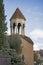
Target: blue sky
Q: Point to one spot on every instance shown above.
(33, 12)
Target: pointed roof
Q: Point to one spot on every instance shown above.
(17, 14)
(27, 39)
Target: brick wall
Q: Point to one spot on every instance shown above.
(4, 60)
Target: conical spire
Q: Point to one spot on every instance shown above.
(17, 14)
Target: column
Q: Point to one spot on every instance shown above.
(22, 30)
(16, 29)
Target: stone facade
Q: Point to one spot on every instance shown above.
(27, 51)
(17, 21)
(39, 54)
(4, 60)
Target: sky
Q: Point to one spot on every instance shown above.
(33, 12)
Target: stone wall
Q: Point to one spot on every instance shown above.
(27, 51)
(4, 60)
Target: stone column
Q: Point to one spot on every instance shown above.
(16, 29)
(22, 30)
(12, 29)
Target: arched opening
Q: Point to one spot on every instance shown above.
(19, 28)
(14, 25)
(23, 26)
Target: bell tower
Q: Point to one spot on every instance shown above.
(17, 23)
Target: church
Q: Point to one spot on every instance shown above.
(17, 26)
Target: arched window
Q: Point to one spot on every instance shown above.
(14, 25)
(23, 26)
(19, 25)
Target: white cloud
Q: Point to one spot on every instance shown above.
(35, 47)
(38, 46)
(35, 34)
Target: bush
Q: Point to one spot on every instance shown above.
(15, 43)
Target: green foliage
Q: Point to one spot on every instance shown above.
(38, 61)
(35, 57)
(18, 61)
(3, 27)
(15, 43)
(14, 48)
(11, 51)
(6, 44)
(15, 59)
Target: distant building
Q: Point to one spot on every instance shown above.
(17, 26)
(40, 55)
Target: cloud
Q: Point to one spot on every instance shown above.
(38, 46)
(35, 34)
(35, 47)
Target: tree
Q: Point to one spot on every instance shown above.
(15, 59)
(3, 27)
(38, 61)
(35, 57)
(15, 43)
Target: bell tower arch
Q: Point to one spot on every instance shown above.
(17, 23)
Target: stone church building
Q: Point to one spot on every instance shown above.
(17, 26)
